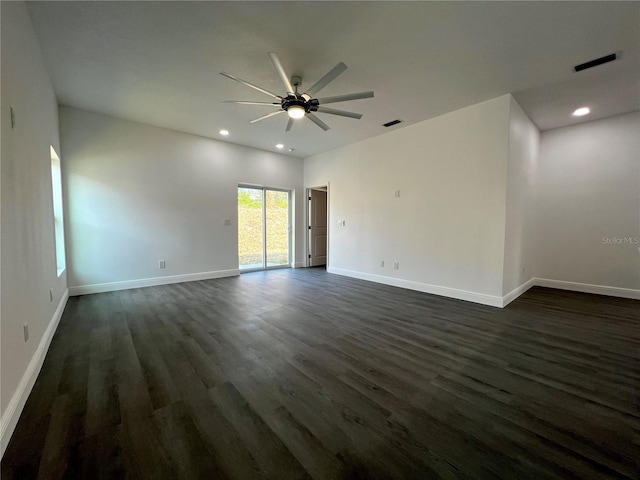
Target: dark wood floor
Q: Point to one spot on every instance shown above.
(302, 374)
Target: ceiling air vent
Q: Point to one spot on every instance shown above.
(392, 123)
(596, 62)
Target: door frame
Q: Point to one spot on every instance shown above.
(307, 245)
(290, 214)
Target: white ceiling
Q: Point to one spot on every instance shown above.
(159, 62)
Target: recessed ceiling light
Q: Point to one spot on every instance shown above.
(279, 145)
(224, 132)
(581, 111)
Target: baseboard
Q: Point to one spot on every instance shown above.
(19, 399)
(588, 288)
(516, 292)
(490, 300)
(475, 297)
(299, 265)
(149, 282)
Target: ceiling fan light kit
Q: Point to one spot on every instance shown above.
(299, 105)
(296, 111)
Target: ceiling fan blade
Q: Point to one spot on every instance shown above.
(283, 75)
(251, 85)
(344, 98)
(243, 102)
(342, 113)
(327, 79)
(266, 116)
(289, 125)
(317, 121)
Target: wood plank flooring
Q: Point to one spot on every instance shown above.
(294, 374)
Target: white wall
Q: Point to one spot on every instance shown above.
(27, 256)
(589, 189)
(520, 227)
(447, 228)
(137, 194)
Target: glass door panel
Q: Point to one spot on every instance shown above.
(250, 228)
(277, 227)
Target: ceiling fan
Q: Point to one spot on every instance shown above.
(299, 105)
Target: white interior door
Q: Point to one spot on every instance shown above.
(318, 228)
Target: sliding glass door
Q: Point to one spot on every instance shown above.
(264, 218)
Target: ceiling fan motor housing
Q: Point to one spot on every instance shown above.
(297, 100)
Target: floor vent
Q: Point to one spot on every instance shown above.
(596, 62)
(391, 123)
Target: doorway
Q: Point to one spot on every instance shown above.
(264, 228)
(317, 215)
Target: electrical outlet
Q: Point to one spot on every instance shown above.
(396, 266)
(25, 329)
(163, 264)
(51, 294)
(382, 263)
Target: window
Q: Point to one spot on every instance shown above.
(56, 187)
